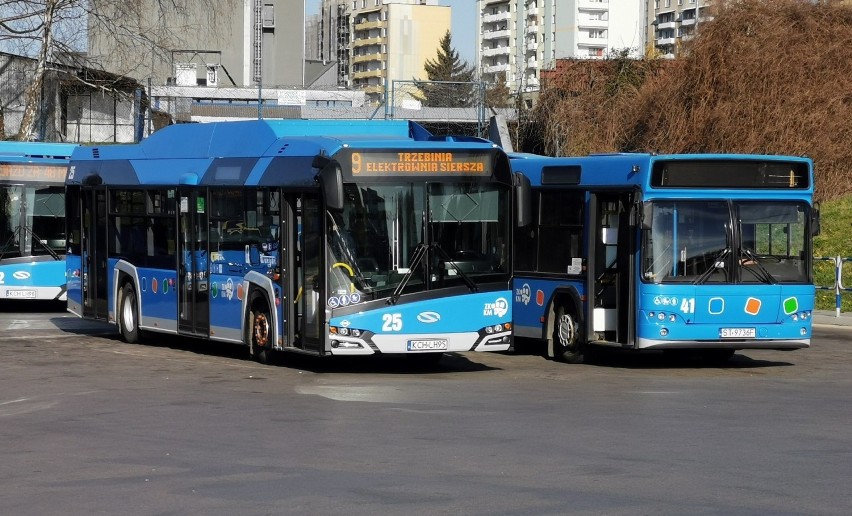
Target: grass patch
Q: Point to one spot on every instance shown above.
(835, 239)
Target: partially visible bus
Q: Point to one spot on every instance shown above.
(313, 236)
(32, 219)
(705, 253)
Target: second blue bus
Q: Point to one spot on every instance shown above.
(707, 253)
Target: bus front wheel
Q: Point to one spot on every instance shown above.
(567, 337)
(128, 315)
(261, 332)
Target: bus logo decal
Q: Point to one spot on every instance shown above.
(21, 275)
(154, 285)
(716, 305)
(428, 317)
(522, 295)
(499, 308)
(228, 289)
(752, 306)
(791, 305)
(333, 302)
(539, 297)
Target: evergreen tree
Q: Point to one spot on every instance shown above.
(448, 67)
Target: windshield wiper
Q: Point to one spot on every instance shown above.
(717, 264)
(467, 281)
(764, 274)
(419, 251)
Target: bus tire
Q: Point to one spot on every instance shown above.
(128, 315)
(260, 331)
(567, 336)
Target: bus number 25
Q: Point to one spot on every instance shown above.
(392, 322)
(687, 306)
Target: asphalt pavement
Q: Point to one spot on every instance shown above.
(831, 318)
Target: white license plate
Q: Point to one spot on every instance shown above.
(427, 345)
(24, 294)
(737, 333)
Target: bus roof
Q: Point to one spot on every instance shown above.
(250, 152)
(622, 169)
(29, 151)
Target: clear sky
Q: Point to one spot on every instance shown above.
(463, 25)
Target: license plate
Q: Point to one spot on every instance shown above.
(427, 345)
(24, 294)
(737, 333)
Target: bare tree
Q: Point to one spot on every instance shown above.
(139, 33)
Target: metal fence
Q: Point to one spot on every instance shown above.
(834, 265)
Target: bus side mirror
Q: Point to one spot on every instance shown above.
(331, 183)
(815, 229)
(647, 215)
(523, 200)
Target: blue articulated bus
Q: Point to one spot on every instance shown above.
(709, 253)
(315, 236)
(32, 228)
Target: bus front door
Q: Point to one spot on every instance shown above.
(308, 284)
(94, 253)
(610, 270)
(193, 280)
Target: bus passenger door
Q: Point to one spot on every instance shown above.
(305, 237)
(611, 248)
(93, 253)
(193, 280)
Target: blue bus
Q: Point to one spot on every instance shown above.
(32, 227)
(314, 236)
(706, 254)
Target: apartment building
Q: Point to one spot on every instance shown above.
(391, 41)
(328, 36)
(241, 44)
(516, 39)
(672, 22)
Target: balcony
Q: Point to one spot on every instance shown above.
(663, 42)
(376, 56)
(368, 74)
(378, 24)
(593, 24)
(494, 18)
(532, 28)
(499, 51)
(490, 2)
(367, 42)
(667, 25)
(592, 5)
(496, 68)
(495, 34)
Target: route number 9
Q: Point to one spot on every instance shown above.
(356, 162)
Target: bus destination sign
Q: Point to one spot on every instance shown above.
(441, 163)
(29, 172)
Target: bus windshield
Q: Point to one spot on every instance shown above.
(696, 242)
(33, 220)
(379, 240)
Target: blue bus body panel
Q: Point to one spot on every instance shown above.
(456, 316)
(532, 298)
(701, 312)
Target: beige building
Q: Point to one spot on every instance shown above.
(672, 22)
(233, 43)
(391, 41)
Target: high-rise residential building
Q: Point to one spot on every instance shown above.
(516, 39)
(328, 36)
(391, 41)
(241, 43)
(672, 22)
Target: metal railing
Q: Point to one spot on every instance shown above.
(837, 287)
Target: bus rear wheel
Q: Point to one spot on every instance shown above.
(261, 333)
(128, 315)
(567, 337)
